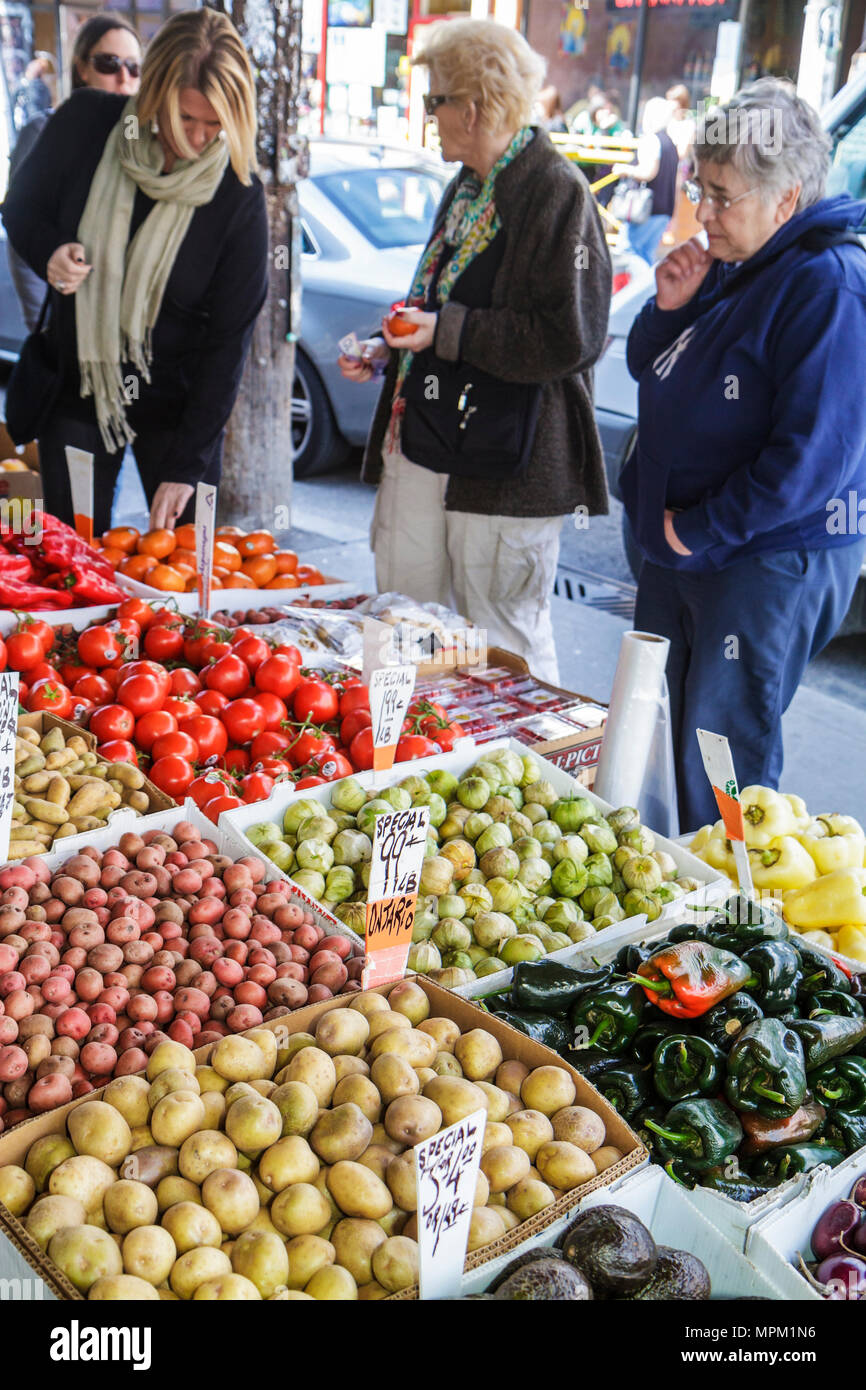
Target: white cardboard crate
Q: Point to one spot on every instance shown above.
(650, 1194)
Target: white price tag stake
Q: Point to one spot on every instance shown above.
(391, 690)
(8, 730)
(205, 524)
(719, 767)
(399, 840)
(80, 465)
(378, 639)
(446, 1173)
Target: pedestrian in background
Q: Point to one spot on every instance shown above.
(107, 55)
(484, 436)
(751, 434)
(656, 166)
(145, 216)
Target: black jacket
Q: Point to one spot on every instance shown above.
(213, 296)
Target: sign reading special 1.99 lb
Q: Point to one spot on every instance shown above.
(399, 841)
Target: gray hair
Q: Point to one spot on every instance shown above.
(771, 136)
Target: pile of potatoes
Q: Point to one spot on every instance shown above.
(283, 1169)
(62, 788)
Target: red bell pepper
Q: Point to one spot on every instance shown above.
(685, 980)
(17, 593)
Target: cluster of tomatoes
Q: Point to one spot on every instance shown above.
(166, 560)
(218, 715)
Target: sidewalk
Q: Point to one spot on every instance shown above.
(825, 737)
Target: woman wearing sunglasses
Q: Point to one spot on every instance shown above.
(484, 435)
(750, 465)
(107, 55)
(146, 218)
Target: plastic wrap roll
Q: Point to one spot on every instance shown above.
(632, 716)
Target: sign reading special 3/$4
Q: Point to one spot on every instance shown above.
(399, 841)
(446, 1175)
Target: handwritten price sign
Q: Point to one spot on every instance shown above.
(391, 690)
(446, 1173)
(205, 522)
(399, 838)
(8, 730)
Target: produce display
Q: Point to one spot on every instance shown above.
(283, 1168)
(45, 565)
(160, 937)
(166, 560)
(835, 1263)
(62, 788)
(492, 702)
(815, 865)
(736, 1051)
(512, 871)
(607, 1253)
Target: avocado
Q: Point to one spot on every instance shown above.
(541, 1252)
(546, 1281)
(612, 1248)
(677, 1276)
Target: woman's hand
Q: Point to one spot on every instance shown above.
(168, 504)
(680, 275)
(372, 349)
(419, 340)
(67, 269)
(671, 536)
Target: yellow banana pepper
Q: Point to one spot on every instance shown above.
(766, 815)
(833, 849)
(719, 855)
(701, 837)
(840, 825)
(836, 900)
(798, 806)
(819, 938)
(851, 941)
(783, 864)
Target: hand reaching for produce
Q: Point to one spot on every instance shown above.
(67, 268)
(168, 505)
(680, 275)
(419, 340)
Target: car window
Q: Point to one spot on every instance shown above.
(392, 207)
(848, 169)
(308, 246)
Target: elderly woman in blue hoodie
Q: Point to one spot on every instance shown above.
(750, 361)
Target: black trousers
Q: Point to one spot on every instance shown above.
(150, 448)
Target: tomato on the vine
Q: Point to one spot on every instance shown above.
(72, 671)
(214, 808)
(305, 782)
(279, 675)
(44, 671)
(112, 722)
(307, 745)
(243, 720)
(272, 741)
(272, 707)
(141, 694)
(118, 750)
(97, 646)
(23, 651)
(179, 707)
(211, 702)
(185, 681)
(153, 726)
(355, 697)
(209, 734)
(163, 643)
(252, 650)
(315, 700)
(415, 746)
(286, 649)
(208, 785)
(95, 688)
(274, 767)
(332, 765)
(139, 610)
(38, 628)
(175, 744)
(256, 786)
(353, 724)
(361, 749)
(235, 760)
(229, 675)
(447, 737)
(173, 775)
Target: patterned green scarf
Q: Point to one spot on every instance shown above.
(470, 225)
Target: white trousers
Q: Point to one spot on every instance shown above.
(497, 571)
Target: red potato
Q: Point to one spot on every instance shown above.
(186, 972)
(169, 911)
(8, 1031)
(262, 955)
(130, 1061)
(245, 899)
(36, 995)
(12, 980)
(220, 1008)
(290, 993)
(249, 993)
(48, 1092)
(256, 867)
(150, 857)
(101, 1013)
(114, 977)
(208, 910)
(228, 972)
(120, 930)
(324, 957)
(95, 897)
(192, 1021)
(341, 946)
(105, 958)
(128, 845)
(15, 897)
(68, 889)
(192, 1000)
(158, 977)
(332, 976)
(164, 957)
(242, 1017)
(74, 958)
(355, 968)
(103, 1033)
(88, 984)
(115, 998)
(8, 958)
(299, 955)
(264, 931)
(181, 1032)
(111, 877)
(289, 916)
(153, 940)
(292, 971)
(44, 950)
(206, 950)
(74, 1023)
(212, 1034)
(317, 993)
(306, 936)
(164, 1005)
(213, 888)
(82, 1088)
(19, 1004)
(83, 868)
(33, 931)
(132, 974)
(176, 859)
(13, 1063)
(88, 936)
(262, 975)
(17, 876)
(206, 982)
(11, 919)
(236, 924)
(203, 867)
(270, 902)
(98, 1058)
(237, 950)
(171, 931)
(55, 1066)
(138, 884)
(137, 953)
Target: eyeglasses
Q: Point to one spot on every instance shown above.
(108, 64)
(432, 103)
(695, 194)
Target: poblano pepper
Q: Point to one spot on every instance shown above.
(767, 1070)
(685, 1067)
(841, 1084)
(611, 1015)
(686, 931)
(788, 1159)
(686, 980)
(551, 1032)
(700, 1133)
(628, 958)
(831, 1001)
(845, 1130)
(776, 964)
(626, 1086)
(742, 923)
(589, 1061)
(638, 1124)
(820, 971)
(654, 1031)
(763, 1134)
(550, 987)
(724, 1023)
(826, 1038)
(740, 1188)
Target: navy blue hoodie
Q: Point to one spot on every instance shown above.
(752, 403)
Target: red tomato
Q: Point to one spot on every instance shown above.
(2, 655)
(307, 745)
(361, 749)
(38, 628)
(95, 688)
(141, 694)
(315, 700)
(169, 617)
(235, 760)
(114, 675)
(273, 708)
(244, 719)
(279, 675)
(152, 726)
(111, 722)
(118, 750)
(252, 650)
(286, 649)
(197, 644)
(173, 775)
(208, 785)
(139, 610)
(175, 744)
(44, 671)
(353, 724)
(149, 668)
(209, 734)
(356, 697)
(163, 643)
(81, 707)
(428, 709)
(23, 651)
(185, 681)
(333, 765)
(415, 746)
(257, 786)
(309, 782)
(211, 702)
(270, 742)
(214, 808)
(72, 672)
(125, 628)
(447, 737)
(180, 708)
(97, 646)
(52, 696)
(229, 676)
(274, 767)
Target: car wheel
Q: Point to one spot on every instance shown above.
(317, 444)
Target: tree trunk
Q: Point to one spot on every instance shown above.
(256, 485)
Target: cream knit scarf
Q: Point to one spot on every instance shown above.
(117, 305)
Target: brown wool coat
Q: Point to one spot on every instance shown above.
(547, 324)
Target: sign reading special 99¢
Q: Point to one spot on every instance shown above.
(399, 842)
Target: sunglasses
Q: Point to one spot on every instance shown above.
(432, 103)
(108, 64)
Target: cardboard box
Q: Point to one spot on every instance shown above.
(444, 1004)
(24, 485)
(44, 722)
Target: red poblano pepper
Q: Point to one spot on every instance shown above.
(685, 980)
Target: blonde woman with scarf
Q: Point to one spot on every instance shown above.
(146, 218)
(484, 436)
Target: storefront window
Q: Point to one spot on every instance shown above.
(774, 34)
(681, 47)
